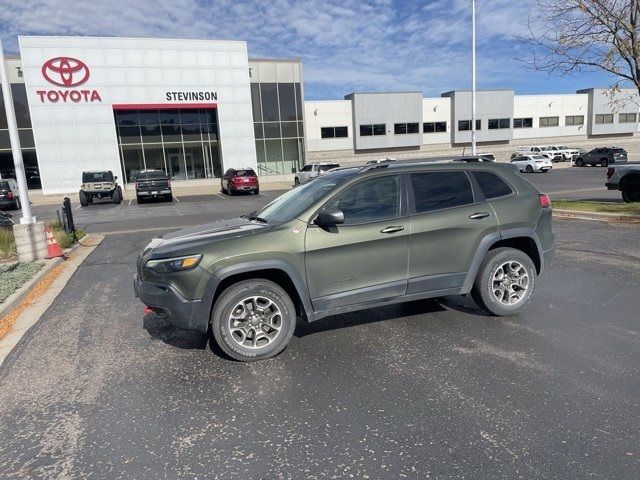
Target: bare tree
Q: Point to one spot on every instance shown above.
(571, 36)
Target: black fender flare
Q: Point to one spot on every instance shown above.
(486, 243)
(255, 265)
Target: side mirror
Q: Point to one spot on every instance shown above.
(329, 217)
(115, 178)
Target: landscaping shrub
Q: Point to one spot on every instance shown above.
(14, 275)
(7, 244)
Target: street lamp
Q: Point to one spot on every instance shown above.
(473, 77)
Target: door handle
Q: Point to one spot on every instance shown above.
(392, 229)
(479, 215)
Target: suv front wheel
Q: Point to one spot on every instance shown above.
(253, 320)
(505, 282)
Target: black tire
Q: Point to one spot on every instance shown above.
(579, 162)
(604, 162)
(83, 199)
(17, 204)
(117, 196)
(230, 298)
(139, 199)
(631, 192)
(528, 169)
(230, 192)
(255, 192)
(482, 291)
(296, 181)
(170, 198)
(222, 188)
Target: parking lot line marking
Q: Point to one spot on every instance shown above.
(130, 200)
(219, 196)
(176, 199)
(78, 207)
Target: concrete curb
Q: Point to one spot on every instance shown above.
(18, 296)
(600, 216)
(32, 314)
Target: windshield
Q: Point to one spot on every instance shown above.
(290, 205)
(92, 177)
(545, 149)
(245, 173)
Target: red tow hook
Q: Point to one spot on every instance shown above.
(147, 310)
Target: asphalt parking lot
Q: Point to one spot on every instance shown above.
(430, 389)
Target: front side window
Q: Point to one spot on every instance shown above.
(372, 200)
(492, 185)
(438, 190)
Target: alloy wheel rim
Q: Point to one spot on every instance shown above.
(255, 322)
(510, 283)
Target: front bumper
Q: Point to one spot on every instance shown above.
(611, 186)
(168, 303)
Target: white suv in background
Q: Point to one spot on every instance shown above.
(532, 163)
(545, 151)
(312, 170)
(568, 154)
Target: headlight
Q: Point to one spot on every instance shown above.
(171, 265)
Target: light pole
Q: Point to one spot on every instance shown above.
(30, 236)
(473, 77)
(15, 142)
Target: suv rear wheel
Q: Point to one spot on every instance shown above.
(579, 162)
(604, 162)
(253, 320)
(83, 199)
(505, 282)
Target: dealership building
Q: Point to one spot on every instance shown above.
(195, 108)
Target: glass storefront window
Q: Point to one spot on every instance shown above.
(191, 132)
(175, 162)
(20, 105)
(26, 138)
(133, 161)
(289, 129)
(150, 133)
(153, 157)
(299, 105)
(272, 130)
(255, 102)
(269, 93)
(257, 131)
(290, 155)
(130, 134)
(194, 159)
(287, 98)
(5, 142)
(273, 152)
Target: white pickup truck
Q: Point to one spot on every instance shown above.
(545, 151)
(568, 154)
(625, 178)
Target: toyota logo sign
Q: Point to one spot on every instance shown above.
(65, 71)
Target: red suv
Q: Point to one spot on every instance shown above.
(239, 180)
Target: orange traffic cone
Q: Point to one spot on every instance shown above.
(53, 247)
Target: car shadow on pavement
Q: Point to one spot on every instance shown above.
(371, 315)
(160, 329)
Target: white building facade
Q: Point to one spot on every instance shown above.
(195, 108)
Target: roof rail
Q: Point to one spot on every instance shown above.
(373, 166)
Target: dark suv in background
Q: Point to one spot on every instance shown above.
(353, 238)
(602, 157)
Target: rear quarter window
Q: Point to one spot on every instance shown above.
(492, 185)
(438, 190)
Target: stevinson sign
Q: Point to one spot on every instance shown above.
(67, 74)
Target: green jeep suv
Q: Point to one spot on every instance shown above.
(354, 238)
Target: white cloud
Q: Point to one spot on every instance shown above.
(345, 45)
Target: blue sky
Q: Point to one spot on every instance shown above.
(345, 45)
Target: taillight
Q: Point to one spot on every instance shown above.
(610, 171)
(10, 195)
(544, 200)
(136, 185)
(169, 183)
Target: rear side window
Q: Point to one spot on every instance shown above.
(438, 190)
(324, 168)
(491, 185)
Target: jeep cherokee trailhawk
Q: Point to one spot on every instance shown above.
(354, 238)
